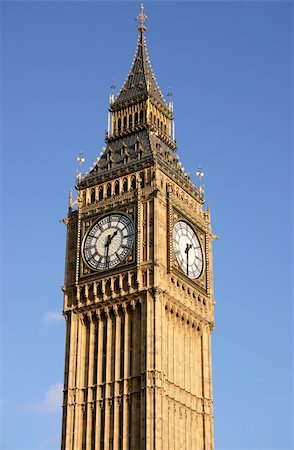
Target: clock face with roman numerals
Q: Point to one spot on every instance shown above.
(187, 249)
(108, 242)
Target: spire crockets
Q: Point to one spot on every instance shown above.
(141, 82)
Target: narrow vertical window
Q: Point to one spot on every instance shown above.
(120, 436)
(142, 180)
(130, 424)
(95, 351)
(122, 348)
(131, 348)
(102, 426)
(92, 195)
(104, 350)
(133, 182)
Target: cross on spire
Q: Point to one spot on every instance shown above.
(141, 19)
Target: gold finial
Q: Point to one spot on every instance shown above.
(141, 19)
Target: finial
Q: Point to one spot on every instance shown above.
(141, 19)
(112, 87)
(81, 160)
(200, 175)
(170, 99)
(112, 90)
(70, 199)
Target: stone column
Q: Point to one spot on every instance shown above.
(90, 382)
(116, 378)
(99, 380)
(150, 395)
(108, 378)
(72, 324)
(78, 425)
(158, 313)
(125, 379)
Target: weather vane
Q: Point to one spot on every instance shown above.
(141, 19)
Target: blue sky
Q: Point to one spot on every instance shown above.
(230, 68)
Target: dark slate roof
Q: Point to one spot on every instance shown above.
(141, 81)
(134, 152)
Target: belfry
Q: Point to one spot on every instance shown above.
(138, 291)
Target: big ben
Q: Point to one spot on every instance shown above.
(138, 292)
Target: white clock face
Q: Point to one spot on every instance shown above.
(187, 249)
(109, 241)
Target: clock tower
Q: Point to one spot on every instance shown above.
(138, 294)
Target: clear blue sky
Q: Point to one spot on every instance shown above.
(229, 65)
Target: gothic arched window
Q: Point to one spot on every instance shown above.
(108, 190)
(142, 179)
(125, 185)
(133, 182)
(92, 195)
(116, 187)
(101, 193)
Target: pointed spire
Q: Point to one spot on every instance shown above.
(141, 81)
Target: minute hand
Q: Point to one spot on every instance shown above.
(111, 237)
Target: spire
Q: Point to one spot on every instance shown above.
(141, 82)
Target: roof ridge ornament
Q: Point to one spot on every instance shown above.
(141, 19)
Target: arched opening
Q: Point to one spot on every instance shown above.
(133, 182)
(125, 185)
(108, 190)
(100, 193)
(136, 118)
(116, 187)
(142, 180)
(92, 195)
(141, 116)
(130, 121)
(119, 124)
(125, 122)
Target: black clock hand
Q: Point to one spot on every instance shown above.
(188, 248)
(107, 244)
(114, 234)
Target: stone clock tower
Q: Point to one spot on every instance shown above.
(138, 294)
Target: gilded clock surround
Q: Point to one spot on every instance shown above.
(138, 346)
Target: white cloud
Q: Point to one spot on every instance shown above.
(51, 317)
(52, 400)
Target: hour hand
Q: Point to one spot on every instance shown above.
(108, 240)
